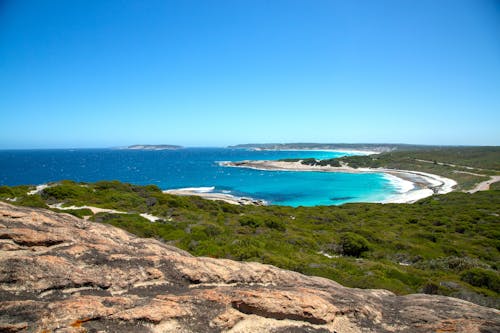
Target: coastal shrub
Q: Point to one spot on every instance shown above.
(304, 241)
(413, 220)
(14, 191)
(105, 217)
(309, 161)
(64, 192)
(395, 249)
(231, 209)
(81, 213)
(290, 159)
(122, 200)
(133, 223)
(213, 230)
(427, 236)
(31, 201)
(247, 248)
(430, 288)
(113, 185)
(250, 221)
(198, 232)
(274, 223)
(408, 278)
(6, 192)
(353, 244)
(145, 191)
(334, 162)
(456, 264)
(482, 278)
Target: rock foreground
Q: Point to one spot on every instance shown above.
(59, 273)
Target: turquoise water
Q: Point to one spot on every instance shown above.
(197, 167)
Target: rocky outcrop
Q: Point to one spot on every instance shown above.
(63, 274)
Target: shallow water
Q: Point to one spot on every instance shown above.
(197, 167)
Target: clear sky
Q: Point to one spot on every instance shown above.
(213, 73)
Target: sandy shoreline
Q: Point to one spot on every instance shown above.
(232, 199)
(422, 184)
(412, 185)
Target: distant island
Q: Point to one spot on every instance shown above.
(154, 147)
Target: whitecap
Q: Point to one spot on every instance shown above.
(206, 189)
(401, 185)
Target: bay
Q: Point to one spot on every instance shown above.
(197, 167)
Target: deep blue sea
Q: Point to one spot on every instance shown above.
(197, 167)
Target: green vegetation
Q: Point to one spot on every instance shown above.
(495, 186)
(353, 244)
(467, 165)
(482, 278)
(447, 244)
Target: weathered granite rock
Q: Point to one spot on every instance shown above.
(63, 274)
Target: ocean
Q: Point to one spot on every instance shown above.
(198, 167)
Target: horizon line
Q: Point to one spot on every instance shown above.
(250, 144)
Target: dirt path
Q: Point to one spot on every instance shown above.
(453, 165)
(484, 186)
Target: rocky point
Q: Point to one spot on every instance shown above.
(59, 273)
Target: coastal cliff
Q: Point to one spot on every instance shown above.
(64, 274)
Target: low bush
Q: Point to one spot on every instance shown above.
(353, 244)
(482, 278)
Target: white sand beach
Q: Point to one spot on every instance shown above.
(412, 185)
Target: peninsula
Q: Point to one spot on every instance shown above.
(370, 147)
(430, 169)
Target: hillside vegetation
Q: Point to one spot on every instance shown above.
(467, 165)
(446, 244)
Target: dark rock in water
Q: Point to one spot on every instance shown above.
(341, 198)
(59, 273)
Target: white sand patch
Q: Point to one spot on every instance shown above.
(229, 198)
(38, 189)
(96, 210)
(410, 197)
(150, 217)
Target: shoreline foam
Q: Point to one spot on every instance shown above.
(423, 184)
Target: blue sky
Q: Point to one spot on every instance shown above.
(215, 73)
